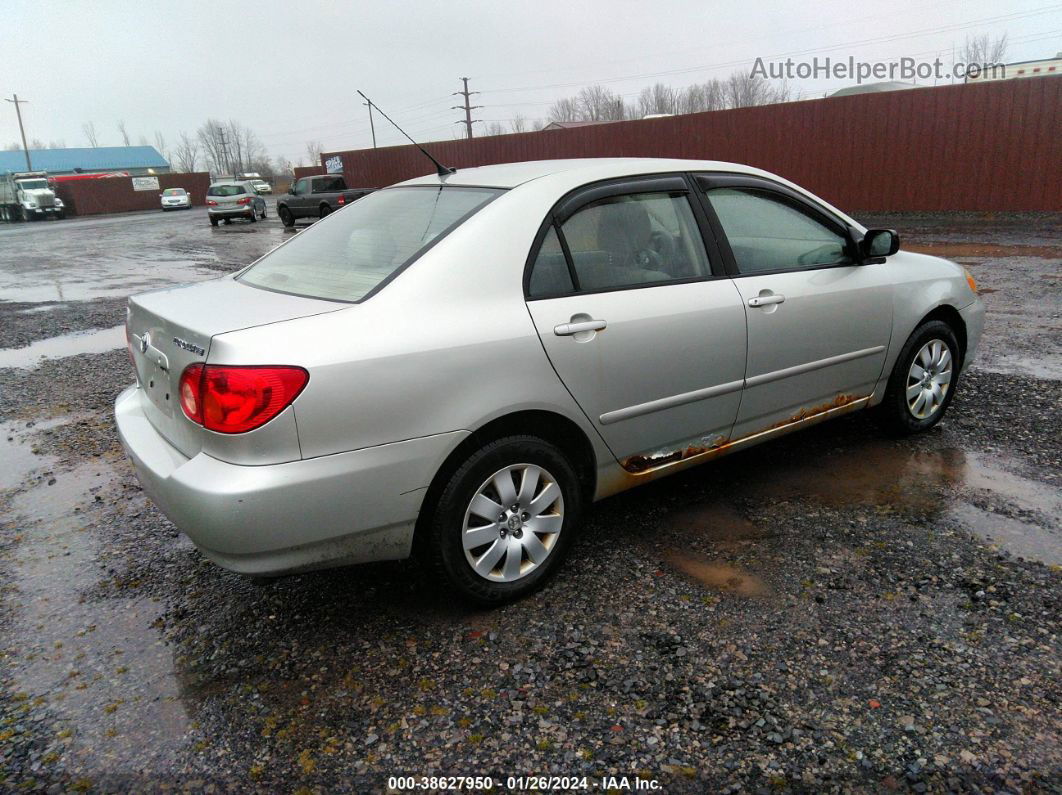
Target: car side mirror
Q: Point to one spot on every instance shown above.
(877, 244)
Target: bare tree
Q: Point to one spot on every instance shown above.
(14, 146)
(745, 90)
(213, 138)
(186, 155)
(564, 110)
(313, 152)
(89, 128)
(494, 128)
(518, 124)
(984, 49)
(36, 143)
(60, 144)
(655, 99)
(123, 133)
(160, 146)
(597, 103)
(701, 97)
(143, 141)
(245, 146)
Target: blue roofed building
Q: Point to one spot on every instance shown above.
(135, 160)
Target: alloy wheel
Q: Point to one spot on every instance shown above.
(928, 379)
(513, 522)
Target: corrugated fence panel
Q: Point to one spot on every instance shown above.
(992, 146)
(116, 194)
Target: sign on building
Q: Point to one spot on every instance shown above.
(334, 165)
(145, 183)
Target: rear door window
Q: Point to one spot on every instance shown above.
(225, 190)
(354, 252)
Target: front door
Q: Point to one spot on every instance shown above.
(650, 343)
(819, 321)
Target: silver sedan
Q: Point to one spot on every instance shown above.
(460, 365)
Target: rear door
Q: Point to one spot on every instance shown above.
(819, 321)
(646, 337)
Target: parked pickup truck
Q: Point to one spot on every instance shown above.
(316, 197)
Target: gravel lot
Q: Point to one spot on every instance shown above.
(833, 611)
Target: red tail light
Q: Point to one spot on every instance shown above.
(341, 199)
(211, 203)
(235, 399)
(244, 200)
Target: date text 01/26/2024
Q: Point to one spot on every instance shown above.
(523, 783)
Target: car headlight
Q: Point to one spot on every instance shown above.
(58, 202)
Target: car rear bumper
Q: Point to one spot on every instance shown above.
(333, 510)
(241, 211)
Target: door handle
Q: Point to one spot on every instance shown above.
(568, 329)
(764, 300)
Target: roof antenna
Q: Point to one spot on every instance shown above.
(443, 171)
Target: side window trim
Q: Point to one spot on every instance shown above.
(708, 181)
(578, 198)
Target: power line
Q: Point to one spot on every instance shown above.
(468, 120)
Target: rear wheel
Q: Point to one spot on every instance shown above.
(286, 217)
(505, 519)
(923, 381)
(213, 221)
(325, 210)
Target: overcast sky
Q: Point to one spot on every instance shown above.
(289, 70)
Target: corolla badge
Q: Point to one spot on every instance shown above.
(191, 347)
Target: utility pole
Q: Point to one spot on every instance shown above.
(18, 112)
(468, 121)
(369, 104)
(225, 151)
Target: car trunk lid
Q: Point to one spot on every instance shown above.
(172, 328)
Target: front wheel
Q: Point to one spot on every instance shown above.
(923, 381)
(505, 519)
(286, 217)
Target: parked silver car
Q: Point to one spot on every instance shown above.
(175, 199)
(228, 200)
(462, 364)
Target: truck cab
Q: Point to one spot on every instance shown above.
(29, 196)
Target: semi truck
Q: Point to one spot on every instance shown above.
(29, 196)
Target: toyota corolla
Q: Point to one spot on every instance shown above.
(460, 364)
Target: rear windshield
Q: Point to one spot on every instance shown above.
(325, 184)
(174, 192)
(345, 257)
(225, 190)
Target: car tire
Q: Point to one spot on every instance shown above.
(923, 380)
(286, 217)
(515, 559)
(213, 221)
(253, 217)
(325, 210)
(264, 208)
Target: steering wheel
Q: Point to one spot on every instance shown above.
(814, 257)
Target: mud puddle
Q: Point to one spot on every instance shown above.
(1013, 512)
(100, 279)
(79, 342)
(92, 665)
(717, 575)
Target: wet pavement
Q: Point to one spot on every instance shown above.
(833, 610)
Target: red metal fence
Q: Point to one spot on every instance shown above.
(992, 146)
(116, 194)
